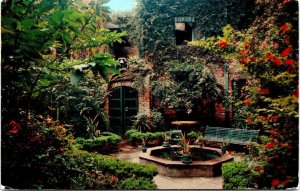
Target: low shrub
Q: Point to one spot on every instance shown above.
(154, 136)
(78, 169)
(105, 143)
(136, 137)
(44, 156)
(136, 184)
(192, 135)
(93, 162)
(237, 175)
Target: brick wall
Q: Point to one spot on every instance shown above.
(234, 74)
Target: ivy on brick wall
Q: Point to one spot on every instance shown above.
(156, 24)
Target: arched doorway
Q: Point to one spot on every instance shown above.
(123, 107)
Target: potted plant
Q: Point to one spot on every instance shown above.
(199, 138)
(186, 154)
(144, 142)
(166, 140)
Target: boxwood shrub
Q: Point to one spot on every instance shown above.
(105, 143)
(237, 175)
(111, 165)
(136, 137)
(136, 184)
(78, 169)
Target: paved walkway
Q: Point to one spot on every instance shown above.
(131, 154)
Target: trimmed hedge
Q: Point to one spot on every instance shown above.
(106, 142)
(136, 137)
(136, 184)
(236, 175)
(119, 168)
(192, 135)
(78, 169)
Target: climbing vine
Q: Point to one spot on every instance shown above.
(156, 24)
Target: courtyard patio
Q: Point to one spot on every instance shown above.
(131, 154)
(149, 94)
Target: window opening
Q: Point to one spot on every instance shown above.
(184, 30)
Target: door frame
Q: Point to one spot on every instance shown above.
(122, 98)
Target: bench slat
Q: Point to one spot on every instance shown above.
(230, 135)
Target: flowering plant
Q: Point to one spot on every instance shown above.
(268, 52)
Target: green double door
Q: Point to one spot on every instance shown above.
(123, 107)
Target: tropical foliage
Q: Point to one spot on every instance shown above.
(185, 84)
(153, 123)
(39, 38)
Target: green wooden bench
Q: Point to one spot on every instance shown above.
(230, 135)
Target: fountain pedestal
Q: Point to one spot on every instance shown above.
(184, 126)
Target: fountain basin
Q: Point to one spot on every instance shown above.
(172, 168)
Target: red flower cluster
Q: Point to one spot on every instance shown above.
(263, 44)
(268, 159)
(245, 60)
(273, 131)
(287, 40)
(243, 52)
(269, 57)
(113, 178)
(260, 168)
(247, 44)
(289, 62)
(269, 145)
(284, 27)
(262, 118)
(222, 43)
(247, 102)
(15, 127)
(286, 1)
(275, 182)
(249, 120)
(277, 62)
(264, 91)
(286, 51)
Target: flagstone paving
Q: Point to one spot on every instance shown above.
(130, 153)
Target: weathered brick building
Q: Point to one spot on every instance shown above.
(164, 27)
